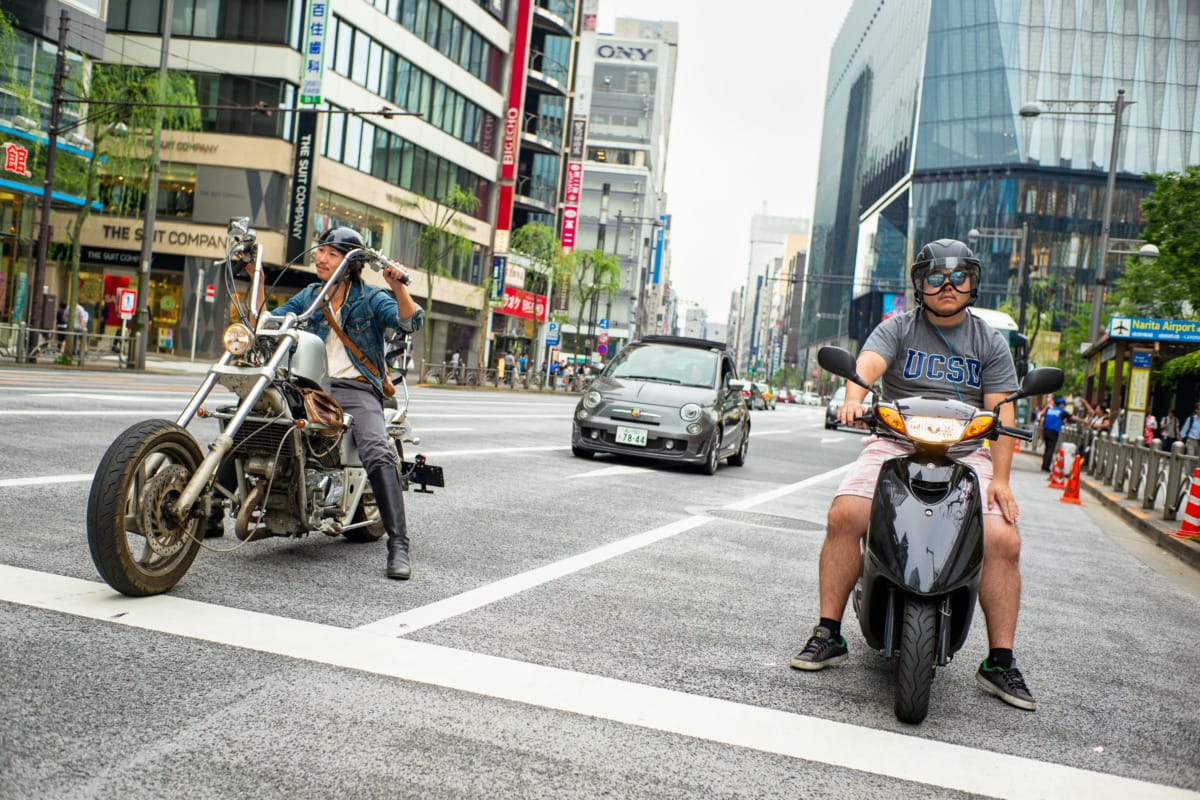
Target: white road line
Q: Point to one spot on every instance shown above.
(619, 469)
(440, 430)
(180, 398)
(492, 450)
(91, 412)
(45, 479)
(768, 433)
(414, 619)
(560, 415)
(865, 750)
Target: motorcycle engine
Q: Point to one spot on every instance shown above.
(325, 489)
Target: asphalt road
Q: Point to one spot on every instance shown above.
(573, 629)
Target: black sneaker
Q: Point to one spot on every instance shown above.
(821, 651)
(1007, 684)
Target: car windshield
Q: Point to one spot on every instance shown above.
(688, 366)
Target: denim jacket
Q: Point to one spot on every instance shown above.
(367, 313)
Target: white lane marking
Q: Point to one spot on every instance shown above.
(561, 415)
(831, 439)
(620, 469)
(178, 399)
(865, 750)
(414, 619)
(433, 613)
(768, 433)
(441, 430)
(492, 450)
(145, 412)
(76, 478)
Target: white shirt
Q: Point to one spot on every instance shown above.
(340, 365)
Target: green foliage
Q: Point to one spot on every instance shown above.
(21, 94)
(538, 243)
(441, 240)
(592, 274)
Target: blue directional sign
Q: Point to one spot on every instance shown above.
(551, 334)
(498, 263)
(1141, 360)
(602, 324)
(1154, 330)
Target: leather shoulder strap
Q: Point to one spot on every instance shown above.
(351, 346)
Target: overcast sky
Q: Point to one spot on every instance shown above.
(749, 97)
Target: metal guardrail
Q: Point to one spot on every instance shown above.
(1161, 479)
(462, 375)
(24, 345)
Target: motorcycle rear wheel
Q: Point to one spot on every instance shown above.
(138, 545)
(914, 667)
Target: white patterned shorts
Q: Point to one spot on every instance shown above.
(860, 479)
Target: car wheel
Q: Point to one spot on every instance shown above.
(714, 454)
(739, 458)
(582, 452)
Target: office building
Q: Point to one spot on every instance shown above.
(761, 310)
(923, 139)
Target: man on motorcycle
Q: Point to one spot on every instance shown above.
(364, 313)
(937, 350)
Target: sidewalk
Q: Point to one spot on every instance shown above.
(1147, 521)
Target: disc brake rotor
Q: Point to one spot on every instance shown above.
(165, 535)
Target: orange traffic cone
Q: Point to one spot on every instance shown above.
(1016, 446)
(1190, 527)
(1071, 495)
(1056, 471)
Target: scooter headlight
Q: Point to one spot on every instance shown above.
(935, 430)
(237, 339)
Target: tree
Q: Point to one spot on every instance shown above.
(538, 243)
(441, 240)
(592, 273)
(122, 132)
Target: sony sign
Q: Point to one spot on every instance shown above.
(623, 52)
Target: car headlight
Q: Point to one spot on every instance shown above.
(237, 339)
(591, 400)
(690, 412)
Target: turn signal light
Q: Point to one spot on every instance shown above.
(978, 426)
(890, 417)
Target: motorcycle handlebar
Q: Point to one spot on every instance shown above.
(1016, 433)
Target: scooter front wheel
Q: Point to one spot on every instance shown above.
(138, 544)
(914, 668)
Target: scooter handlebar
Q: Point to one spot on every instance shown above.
(1016, 433)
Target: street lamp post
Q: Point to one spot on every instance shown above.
(1118, 108)
(1021, 236)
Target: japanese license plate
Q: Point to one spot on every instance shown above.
(633, 436)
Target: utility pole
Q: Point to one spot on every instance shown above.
(36, 295)
(143, 313)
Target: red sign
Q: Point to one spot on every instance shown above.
(570, 224)
(574, 185)
(210, 292)
(512, 115)
(602, 337)
(126, 302)
(16, 159)
(523, 304)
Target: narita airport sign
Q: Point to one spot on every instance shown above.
(1154, 330)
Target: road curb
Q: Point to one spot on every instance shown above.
(1184, 549)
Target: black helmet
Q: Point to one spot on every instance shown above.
(342, 239)
(944, 254)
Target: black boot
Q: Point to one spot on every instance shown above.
(389, 499)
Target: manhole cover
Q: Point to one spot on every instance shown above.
(768, 520)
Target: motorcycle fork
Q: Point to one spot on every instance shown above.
(943, 627)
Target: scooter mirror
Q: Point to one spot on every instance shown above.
(837, 361)
(1042, 380)
(238, 226)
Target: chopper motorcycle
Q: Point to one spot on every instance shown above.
(923, 553)
(284, 461)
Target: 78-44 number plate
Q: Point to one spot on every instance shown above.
(633, 436)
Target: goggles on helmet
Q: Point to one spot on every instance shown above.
(935, 280)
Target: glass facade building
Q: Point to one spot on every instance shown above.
(925, 140)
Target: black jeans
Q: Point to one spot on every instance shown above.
(1051, 439)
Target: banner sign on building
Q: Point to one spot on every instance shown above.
(512, 115)
(574, 184)
(514, 275)
(526, 305)
(570, 225)
(314, 45)
(304, 176)
(578, 138)
(498, 269)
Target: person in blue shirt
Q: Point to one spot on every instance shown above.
(1052, 422)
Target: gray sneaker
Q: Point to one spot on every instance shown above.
(821, 651)
(1007, 684)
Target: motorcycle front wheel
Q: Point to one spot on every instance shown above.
(914, 668)
(138, 544)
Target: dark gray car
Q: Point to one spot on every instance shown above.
(668, 398)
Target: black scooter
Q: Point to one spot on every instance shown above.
(923, 552)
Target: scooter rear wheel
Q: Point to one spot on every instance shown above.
(914, 668)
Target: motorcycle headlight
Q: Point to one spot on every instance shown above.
(690, 412)
(237, 339)
(591, 400)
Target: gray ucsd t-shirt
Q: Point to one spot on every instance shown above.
(972, 357)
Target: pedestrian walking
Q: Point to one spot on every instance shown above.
(1052, 422)
(1168, 430)
(1149, 429)
(1190, 432)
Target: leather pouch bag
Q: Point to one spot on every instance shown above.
(321, 408)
